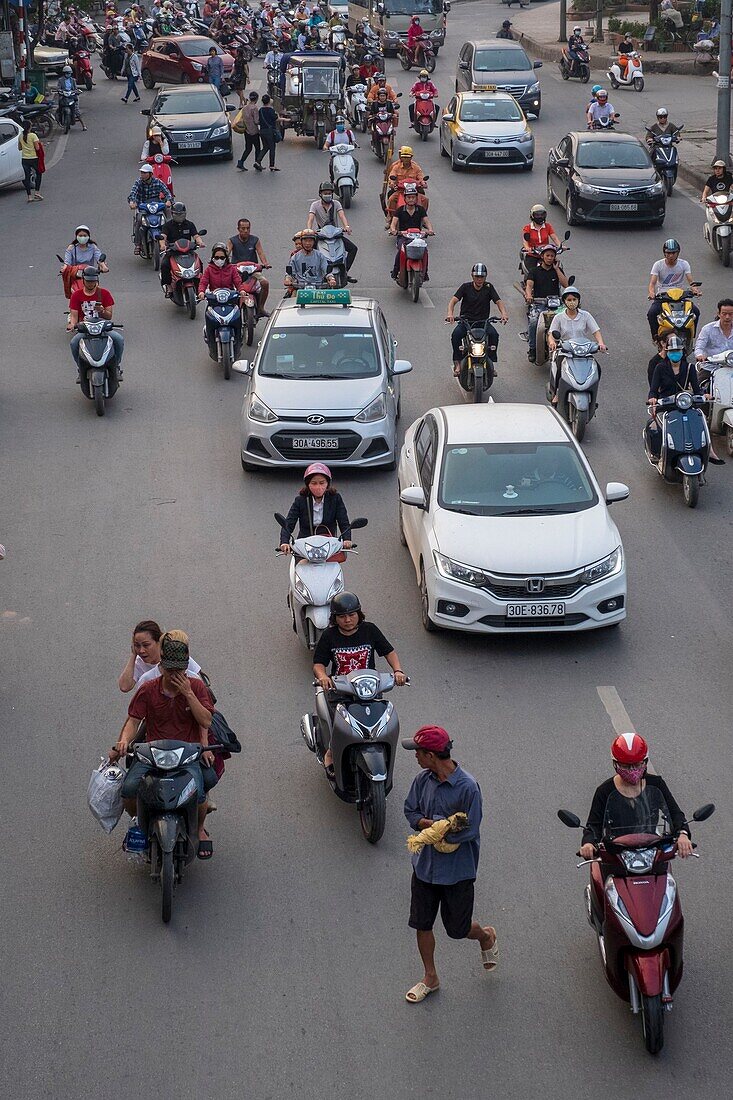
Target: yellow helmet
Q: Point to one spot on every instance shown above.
(405, 151)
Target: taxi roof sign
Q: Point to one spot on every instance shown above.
(485, 88)
(311, 296)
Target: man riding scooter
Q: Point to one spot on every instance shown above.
(422, 86)
(92, 302)
(601, 113)
(67, 86)
(543, 281)
(341, 135)
(308, 267)
(328, 211)
(476, 298)
(177, 228)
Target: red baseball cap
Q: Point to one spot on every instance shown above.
(429, 738)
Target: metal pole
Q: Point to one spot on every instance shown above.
(722, 142)
(22, 47)
(563, 21)
(598, 35)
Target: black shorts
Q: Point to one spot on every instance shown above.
(454, 901)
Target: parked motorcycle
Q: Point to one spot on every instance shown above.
(677, 317)
(720, 414)
(665, 156)
(577, 372)
(97, 362)
(577, 65)
(632, 78)
(251, 288)
(633, 905)
(413, 264)
(424, 115)
(186, 268)
(362, 730)
(356, 107)
(151, 214)
(81, 63)
(331, 244)
(685, 443)
(421, 54)
(719, 225)
(343, 171)
(315, 578)
(41, 115)
(382, 135)
(224, 311)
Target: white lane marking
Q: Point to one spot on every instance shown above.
(425, 301)
(618, 713)
(58, 151)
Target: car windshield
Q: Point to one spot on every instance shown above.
(514, 479)
(489, 110)
(414, 7)
(611, 154)
(323, 81)
(320, 352)
(187, 103)
(198, 47)
(500, 61)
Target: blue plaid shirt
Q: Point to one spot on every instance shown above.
(428, 797)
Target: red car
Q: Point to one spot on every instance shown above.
(180, 59)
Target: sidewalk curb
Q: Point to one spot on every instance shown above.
(548, 52)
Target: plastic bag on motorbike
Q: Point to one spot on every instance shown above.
(415, 249)
(238, 122)
(104, 794)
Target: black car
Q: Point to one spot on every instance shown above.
(195, 120)
(605, 177)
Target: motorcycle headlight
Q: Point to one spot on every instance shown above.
(220, 131)
(188, 272)
(302, 589)
(366, 687)
(588, 189)
(259, 411)
(392, 34)
(607, 567)
(167, 759)
(375, 410)
(638, 861)
(336, 587)
(456, 571)
(477, 350)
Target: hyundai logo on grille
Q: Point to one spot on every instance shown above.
(535, 584)
(316, 420)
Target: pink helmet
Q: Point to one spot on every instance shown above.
(317, 468)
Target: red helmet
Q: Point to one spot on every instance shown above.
(629, 748)
(317, 468)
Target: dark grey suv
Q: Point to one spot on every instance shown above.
(498, 63)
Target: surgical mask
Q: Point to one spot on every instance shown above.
(219, 261)
(326, 199)
(82, 238)
(674, 356)
(340, 128)
(631, 773)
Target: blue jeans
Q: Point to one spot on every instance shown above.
(131, 87)
(117, 340)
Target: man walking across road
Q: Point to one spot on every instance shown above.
(444, 879)
(131, 69)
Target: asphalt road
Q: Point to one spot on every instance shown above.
(284, 970)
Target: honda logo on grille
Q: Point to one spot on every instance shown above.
(316, 420)
(535, 584)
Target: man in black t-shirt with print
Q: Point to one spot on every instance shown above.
(409, 216)
(720, 183)
(476, 298)
(543, 281)
(349, 644)
(177, 228)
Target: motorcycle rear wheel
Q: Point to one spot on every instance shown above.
(156, 258)
(729, 442)
(43, 125)
(67, 121)
(166, 886)
(373, 810)
(614, 81)
(652, 1023)
(88, 83)
(424, 133)
(691, 493)
(564, 72)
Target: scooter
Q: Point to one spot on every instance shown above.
(315, 578)
(161, 163)
(382, 136)
(685, 443)
(251, 289)
(224, 310)
(82, 64)
(356, 106)
(343, 171)
(664, 155)
(634, 76)
(113, 61)
(362, 729)
(66, 112)
(423, 121)
(528, 261)
(421, 54)
(151, 214)
(676, 316)
(544, 309)
(720, 416)
(477, 367)
(97, 362)
(186, 268)
(331, 244)
(413, 265)
(577, 66)
(633, 906)
(719, 225)
(167, 811)
(578, 375)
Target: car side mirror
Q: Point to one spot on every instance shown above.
(531, 117)
(230, 106)
(704, 812)
(562, 162)
(243, 366)
(401, 366)
(463, 65)
(145, 111)
(536, 64)
(616, 490)
(414, 496)
(447, 116)
(571, 820)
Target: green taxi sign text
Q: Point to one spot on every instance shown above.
(310, 296)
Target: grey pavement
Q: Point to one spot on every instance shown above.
(284, 969)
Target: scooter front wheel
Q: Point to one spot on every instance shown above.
(690, 490)
(156, 257)
(99, 400)
(584, 74)
(638, 83)
(88, 83)
(415, 284)
(166, 886)
(579, 423)
(669, 186)
(725, 251)
(226, 360)
(346, 196)
(191, 302)
(652, 1022)
(373, 808)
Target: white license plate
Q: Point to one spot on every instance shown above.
(189, 144)
(496, 153)
(624, 206)
(315, 443)
(544, 610)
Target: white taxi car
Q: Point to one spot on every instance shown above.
(507, 526)
(486, 129)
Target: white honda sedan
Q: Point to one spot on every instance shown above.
(508, 528)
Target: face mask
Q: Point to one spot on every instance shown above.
(632, 773)
(326, 199)
(83, 239)
(674, 356)
(219, 262)
(340, 129)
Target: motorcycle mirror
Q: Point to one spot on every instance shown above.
(571, 280)
(426, 178)
(704, 812)
(202, 232)
(526, 236)
(280, 519)
(59, 258)
(696, 284)
(571, 820)
(356, 523)
(102, 257)
(567, 235)
(145, 111)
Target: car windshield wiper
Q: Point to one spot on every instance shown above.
(547, 510)
(462, 511)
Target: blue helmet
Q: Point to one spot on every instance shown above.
(596, 88)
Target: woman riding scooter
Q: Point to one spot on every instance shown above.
(81, 253)
(316, 509)
(672, 373)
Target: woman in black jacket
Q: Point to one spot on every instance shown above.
(316, 509)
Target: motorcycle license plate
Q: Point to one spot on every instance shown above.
(623, 207)
(189, 144)
(314, 443)
(543, 610)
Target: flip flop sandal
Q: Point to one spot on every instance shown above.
(419, 992)
(490, 958)
(205, 849)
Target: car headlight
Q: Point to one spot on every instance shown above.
(456, 571)
(526, 136)
(220, 131)
(198, 68)
(375, 410)
(258, 410)
(606, 567)
(588, 189)
(656, 189)
(638, 861)
(533, 88)
(460, 136)
(302, 589)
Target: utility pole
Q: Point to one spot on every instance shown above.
(564, 21)
(722, 142)
(598, 34)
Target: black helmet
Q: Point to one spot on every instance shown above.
(346, 603)
(325, 186)
(178, 211)
(671, 245)
(479, 269)
(90, 274)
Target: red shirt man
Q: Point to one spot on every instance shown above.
(85, 303)
(169, 717)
